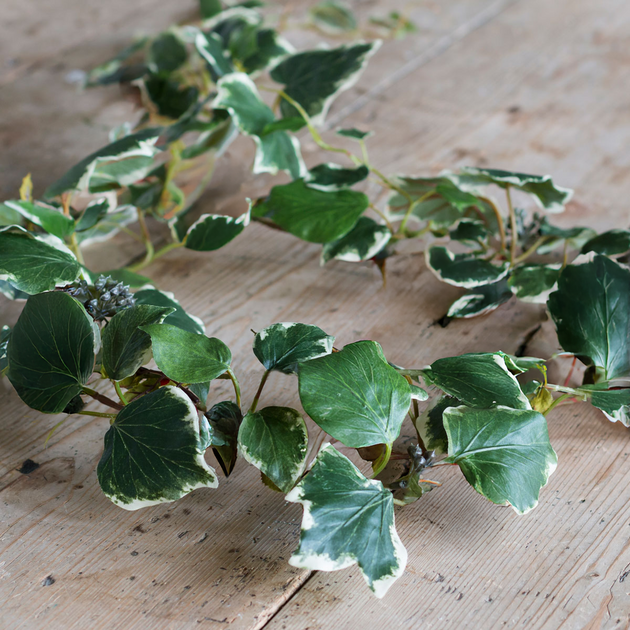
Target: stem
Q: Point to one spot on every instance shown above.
(146, 237)
(557, 401)
(381, 462)
(98, 414)
(237, 387)
(160, 252)
(569, 390)
(514, 239)
(390, 227)
(411, 208)
(102, 398)
(526, 254)
(263, 380)
(399, 502)
(497, 214)
(123, 400)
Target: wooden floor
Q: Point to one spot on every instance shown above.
(533, 85)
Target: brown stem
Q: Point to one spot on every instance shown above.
(102, 398)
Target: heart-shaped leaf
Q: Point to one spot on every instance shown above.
(608, 243)
(504, 453)
(187, 357)
(481, 300)
(479, 380)
(213, 231)
(591, 310)
(51, 351)
(33, 266)
(464, 270)
(125, 346)
(275, 441)
(534, 283)
(314, 78)
(51, 219)
(153, 452)
(313, 215)
(366, 239)
(355, 395)
(283, 346)
(347, 519)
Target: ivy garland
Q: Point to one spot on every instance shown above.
(79, 328)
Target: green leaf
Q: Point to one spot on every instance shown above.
(269, 47)
(310, 214)
(167, 53)
(608, 243)
(481, 300)
(8, 216)
(171, 99)
(137, 144)
(546, 194)
(125, 346)
(47, 217)
(366, 239)
(295, 123)
(113, 71)
(108, 226)
(153, 453)
(179, 317)
(211, 49)
(95, 212)
(187, 357)
(283, 346)
(575, 237)
(275, 441)
(355, 134)
(534, 283)
(224, 420)
(5, 335)
(115, 175)
(464, 270)
(274, 151)
(469, 230)
(33, 266)
(51, 351)
(615, 404)
(479, 380)
(520, 365)
(591, 310)
(504, 453)
(330, 176)
(222, 423)
(332, 17)
(209, 8)
(347, 519)
(355, 395)
(213, 231)
(314, 78)
(430, 424)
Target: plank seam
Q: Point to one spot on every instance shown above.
(480, 20)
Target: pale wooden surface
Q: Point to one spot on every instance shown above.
(535, 85)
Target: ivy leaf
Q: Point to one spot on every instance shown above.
(591, 310)
(347, 519)
(504, 453)
(275, 441)
(115, 175)
(310, 214)
(95, 211)
(5, 335)
(153, 453)
(269, 47)
(469, 230)
(355, 395)
(47, 217)
(546, 194)
(179, 317)
(355, 134)
(534, 283)
(32, 265)
(224, 420)
(125, 346)
(608, 243)
(283, 346)
(332, 17)
(575, 237)
(294, 123)
(51, 351)
(108, 226)
(464, 270)
(430, 424)
(187, 357)
(171, 99)
(520, 365)
(615, 404)
(314, 78)
(479, 380)
(330, 176)
(167, 53)
(137, 144)
(366, 239)
(211, 49)
(213, 231)
(113, 71)
(274, 151)
(481, 300)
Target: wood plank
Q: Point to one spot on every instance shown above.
(86, 544)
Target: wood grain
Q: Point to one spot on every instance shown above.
(536, 86)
